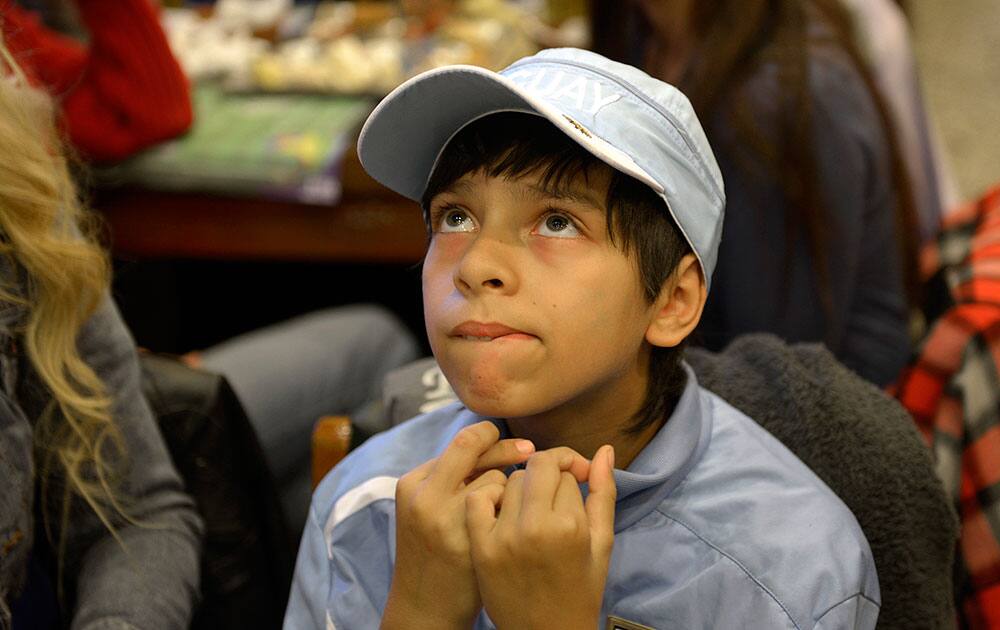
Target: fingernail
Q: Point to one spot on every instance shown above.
(524, 446)
(611, 457)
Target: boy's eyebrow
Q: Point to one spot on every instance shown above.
(582, 197)
(458, 186)
(579, 196)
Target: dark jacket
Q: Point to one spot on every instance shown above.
(866, 326)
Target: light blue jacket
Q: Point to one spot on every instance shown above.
(717, 525)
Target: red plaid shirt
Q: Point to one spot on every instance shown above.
(953, 391)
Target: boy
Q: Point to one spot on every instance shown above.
(575, 210)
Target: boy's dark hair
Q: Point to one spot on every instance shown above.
(512, 144)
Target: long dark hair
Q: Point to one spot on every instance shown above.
(731, 39)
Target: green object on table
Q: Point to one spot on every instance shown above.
(286, 146)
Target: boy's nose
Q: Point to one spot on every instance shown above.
(485, 267)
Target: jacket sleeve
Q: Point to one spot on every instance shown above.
(856, 613)
(122, 93)
(150, 579)
(346, 557)
(307, 601)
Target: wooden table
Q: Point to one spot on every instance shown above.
(369, 224)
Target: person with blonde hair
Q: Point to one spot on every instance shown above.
(95, 529)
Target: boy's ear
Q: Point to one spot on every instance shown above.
(678, 307)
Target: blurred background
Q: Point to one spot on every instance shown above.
(260, 210)
(952, 41)
(217, 139)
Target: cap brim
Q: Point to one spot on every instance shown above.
(405, 135)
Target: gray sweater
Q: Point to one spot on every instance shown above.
(151, 581)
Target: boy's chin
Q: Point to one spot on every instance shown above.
(495, 394)
(503, 406)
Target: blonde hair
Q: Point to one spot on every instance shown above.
(60, 274)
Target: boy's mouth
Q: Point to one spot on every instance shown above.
(479, 331)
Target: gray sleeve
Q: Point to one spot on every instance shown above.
(151, 580)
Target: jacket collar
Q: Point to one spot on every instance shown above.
(664, 462)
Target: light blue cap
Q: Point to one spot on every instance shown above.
(633, 122)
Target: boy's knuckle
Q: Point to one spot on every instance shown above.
(564, 456)
(565, 527)
(488, 556)
(439, 531)
(469, 438)
(543, 458)
(603, 544)
(425, 512)
(508, 541)
(561, 453)
(487, 428)
(463, 440)
(476, 502)
(512, 548)
(494, 477)
(535, 534)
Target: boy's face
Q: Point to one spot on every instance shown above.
(529, 307)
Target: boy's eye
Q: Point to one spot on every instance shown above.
(455, 220)
(558, 225)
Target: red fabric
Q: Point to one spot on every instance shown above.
(953, 392)
(119, 95)
(984, 608)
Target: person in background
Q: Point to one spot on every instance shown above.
(952, 390)
(290, 374)
(95, 529)
(820, 237)
(125, 92)
(118, 94)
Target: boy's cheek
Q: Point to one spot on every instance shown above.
(438, 266)
(446, 248)
(558, 252)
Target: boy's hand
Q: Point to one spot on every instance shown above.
(542, 560)
(433, 585)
